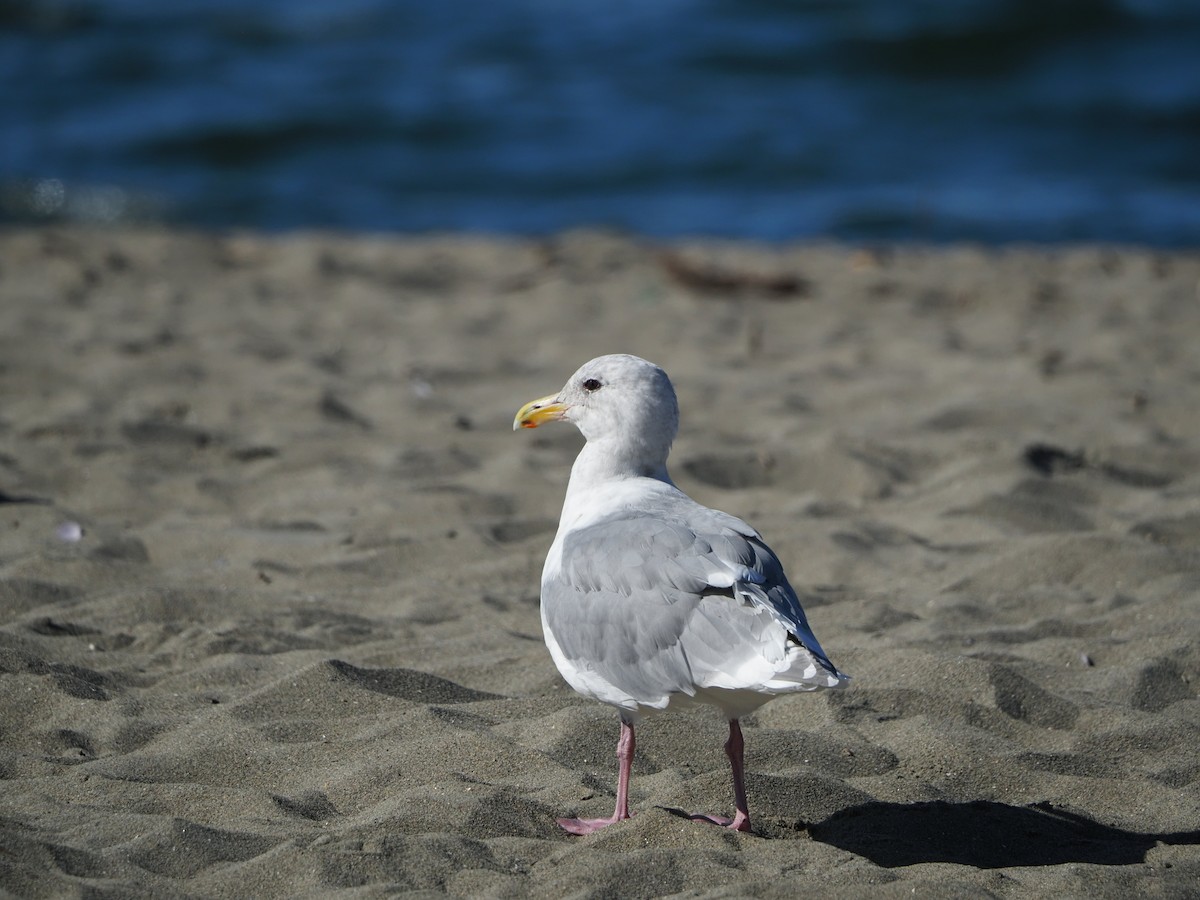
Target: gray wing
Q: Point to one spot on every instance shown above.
(765, 585)
(643, 596)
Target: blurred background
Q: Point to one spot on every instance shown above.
(925, 120)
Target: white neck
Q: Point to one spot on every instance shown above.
(600, 464)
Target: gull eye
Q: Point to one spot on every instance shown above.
(592, 384)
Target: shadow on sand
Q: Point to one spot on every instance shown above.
(984, 834)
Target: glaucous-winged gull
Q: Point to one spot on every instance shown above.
(650, 600)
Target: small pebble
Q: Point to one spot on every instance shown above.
(71, 532)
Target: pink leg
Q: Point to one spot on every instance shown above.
(625, 757)
(734, 749)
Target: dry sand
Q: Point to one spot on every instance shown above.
(296, 651)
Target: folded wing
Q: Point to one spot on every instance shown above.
(674, 598)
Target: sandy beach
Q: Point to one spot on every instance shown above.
(270, 550)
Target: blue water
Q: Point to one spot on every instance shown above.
(1026, 120)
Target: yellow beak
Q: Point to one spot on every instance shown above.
(538, 412)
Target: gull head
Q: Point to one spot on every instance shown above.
(618, 399)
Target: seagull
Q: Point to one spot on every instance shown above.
(651, 601)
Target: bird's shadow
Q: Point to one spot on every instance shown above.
(984, 834)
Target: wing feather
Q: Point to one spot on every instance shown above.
(671, 598)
